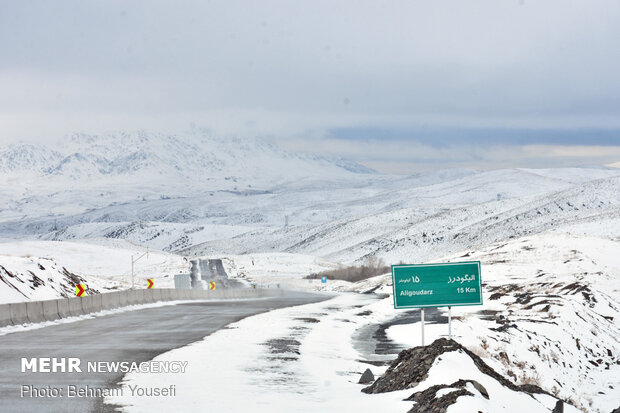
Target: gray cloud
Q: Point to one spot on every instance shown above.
(303, 70)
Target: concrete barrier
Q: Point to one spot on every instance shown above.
(5, 315)
(35, 311)
(166, 294)
(97, 302)
(123, 298)
(19, 313)
(50, 310)
(75, 306)
(116, 299)
(87, 304)
(131, 297)
(63, 308)
(91, 303)
(138, 297)
(149, 296)
(109, 300)
(38, 311)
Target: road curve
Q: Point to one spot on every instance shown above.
(129, 336)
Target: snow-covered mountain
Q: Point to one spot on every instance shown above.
(90, 172)
(547, 240)
(203, 195)
(28, 158)
(195, 156)
(427, 222)
(35, 278)
(195, 194)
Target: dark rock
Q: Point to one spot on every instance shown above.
(367, 377)
(559, 407)
(481, 389)
(426, 402)
(412, 365)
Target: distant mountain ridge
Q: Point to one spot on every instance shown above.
(25, 157)
(172, 155)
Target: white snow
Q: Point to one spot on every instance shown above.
(103, 264)
(318, 373)
(554, 347)
(322, 377)
(548, 240)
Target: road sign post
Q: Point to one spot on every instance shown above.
(133, 261)
(422, 323)
(437, 285)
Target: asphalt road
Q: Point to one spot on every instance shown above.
(129, 336)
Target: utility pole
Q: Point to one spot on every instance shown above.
(134, 261)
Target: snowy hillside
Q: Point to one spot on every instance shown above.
(32, 278)
(547, 240)
(549, 320)
(342, 218)
(440, 219)
(196, 155)
(86, 172)
(198, 194)
(550, 315)
(39, 270)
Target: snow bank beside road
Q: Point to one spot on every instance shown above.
(550, 316)
(299, 358)
(304, 359)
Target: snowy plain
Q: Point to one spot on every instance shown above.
(548, 240)
(321, 360)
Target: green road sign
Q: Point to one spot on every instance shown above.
(437, 285)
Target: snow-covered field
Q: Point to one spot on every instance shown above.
(548, 241)
(297, 358)
(311, 357)
(39, 270)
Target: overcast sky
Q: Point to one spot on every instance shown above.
(397, 85)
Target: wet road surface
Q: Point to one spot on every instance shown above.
(129, 336)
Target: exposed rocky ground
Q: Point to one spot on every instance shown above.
(412, 368)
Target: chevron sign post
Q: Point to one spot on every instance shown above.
(79, 290)
(212, 285)
(150, 283)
